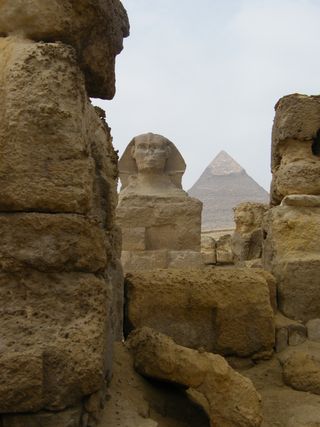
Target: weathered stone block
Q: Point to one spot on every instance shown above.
(313, 327)
(172, 223)
(94, 29)
(49, 242)
(224, 250)
(247, 238)
(62, 318)
(291, 253)
(281, 339)
(208, 249)
(297, 334)
(225, 311)
(45, 164)
(301, 371)
(295, 168)
(56, 153)
(185, 259)
(144, 260)
(21, 382)
(133, 239)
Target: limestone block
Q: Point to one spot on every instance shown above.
(272, 285)
(45, 159)
(208, 249)
(224, 250)
(229, 399)
(56, 152)
(68, 418)
(133, 239)
(144, 260)
(291, 253)
(184, 259)
(172, 223)
(55, 324)
(49, 242)
(221, 310)
(247, 238)
(313, 327)
(288, 332)
(302, 200)
(22, 382)
(295, 167)
(301, 371)
(297, 334)
(246, 247)
(281, 339)
(94, 29)
(253, 263)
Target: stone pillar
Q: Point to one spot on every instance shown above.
(59, 248)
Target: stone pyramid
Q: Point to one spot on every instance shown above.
(223, 185)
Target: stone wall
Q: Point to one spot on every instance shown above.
(59, 253)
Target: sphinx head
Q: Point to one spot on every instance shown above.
(151, 152)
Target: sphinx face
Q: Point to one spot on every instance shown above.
(150, 153)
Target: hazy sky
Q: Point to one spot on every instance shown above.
(207, 74)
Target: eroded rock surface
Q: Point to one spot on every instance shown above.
(95, 29)
(291, 253)
(229, 398)
(222, 310)
(248, 236)
(301, 371)
(61, 280)
(295, 162)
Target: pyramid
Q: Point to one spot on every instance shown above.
(223, 185)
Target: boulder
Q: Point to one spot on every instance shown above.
(221, 310)
(229, 399)
(95, 29)
(301, 371)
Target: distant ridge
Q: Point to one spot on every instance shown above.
(223, 185)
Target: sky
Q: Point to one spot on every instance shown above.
(207, 75)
